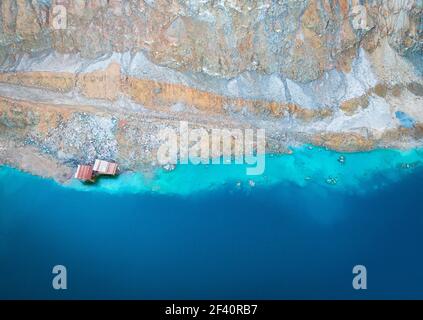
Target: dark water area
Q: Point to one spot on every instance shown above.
(283, 241)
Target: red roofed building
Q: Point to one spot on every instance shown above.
(84, 173)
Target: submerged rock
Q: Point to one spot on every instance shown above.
(332, 181)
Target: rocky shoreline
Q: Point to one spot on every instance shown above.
(50, 140)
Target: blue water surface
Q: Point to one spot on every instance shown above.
(296, 236)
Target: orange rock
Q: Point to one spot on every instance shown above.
(59, 81)
(101, 84)
(344, 5)
(381, 90)
(347, 142)
(108, 84)
(352, 105)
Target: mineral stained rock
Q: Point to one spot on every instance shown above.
(84, 79)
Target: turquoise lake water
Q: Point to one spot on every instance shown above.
(211, 232)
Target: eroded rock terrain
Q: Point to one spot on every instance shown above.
(85, 79)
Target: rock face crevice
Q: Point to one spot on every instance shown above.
(99, 78)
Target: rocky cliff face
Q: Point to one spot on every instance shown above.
(83, 79)
(299, 39)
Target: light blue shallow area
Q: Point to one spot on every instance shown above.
(405, 120)
(308, 165)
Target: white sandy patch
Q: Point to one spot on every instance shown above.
(181, 107)
(52, 62)
(103, 64)
(361, 78)
(377, 117)
(251, 85)
(298, 96)
(142, 68)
